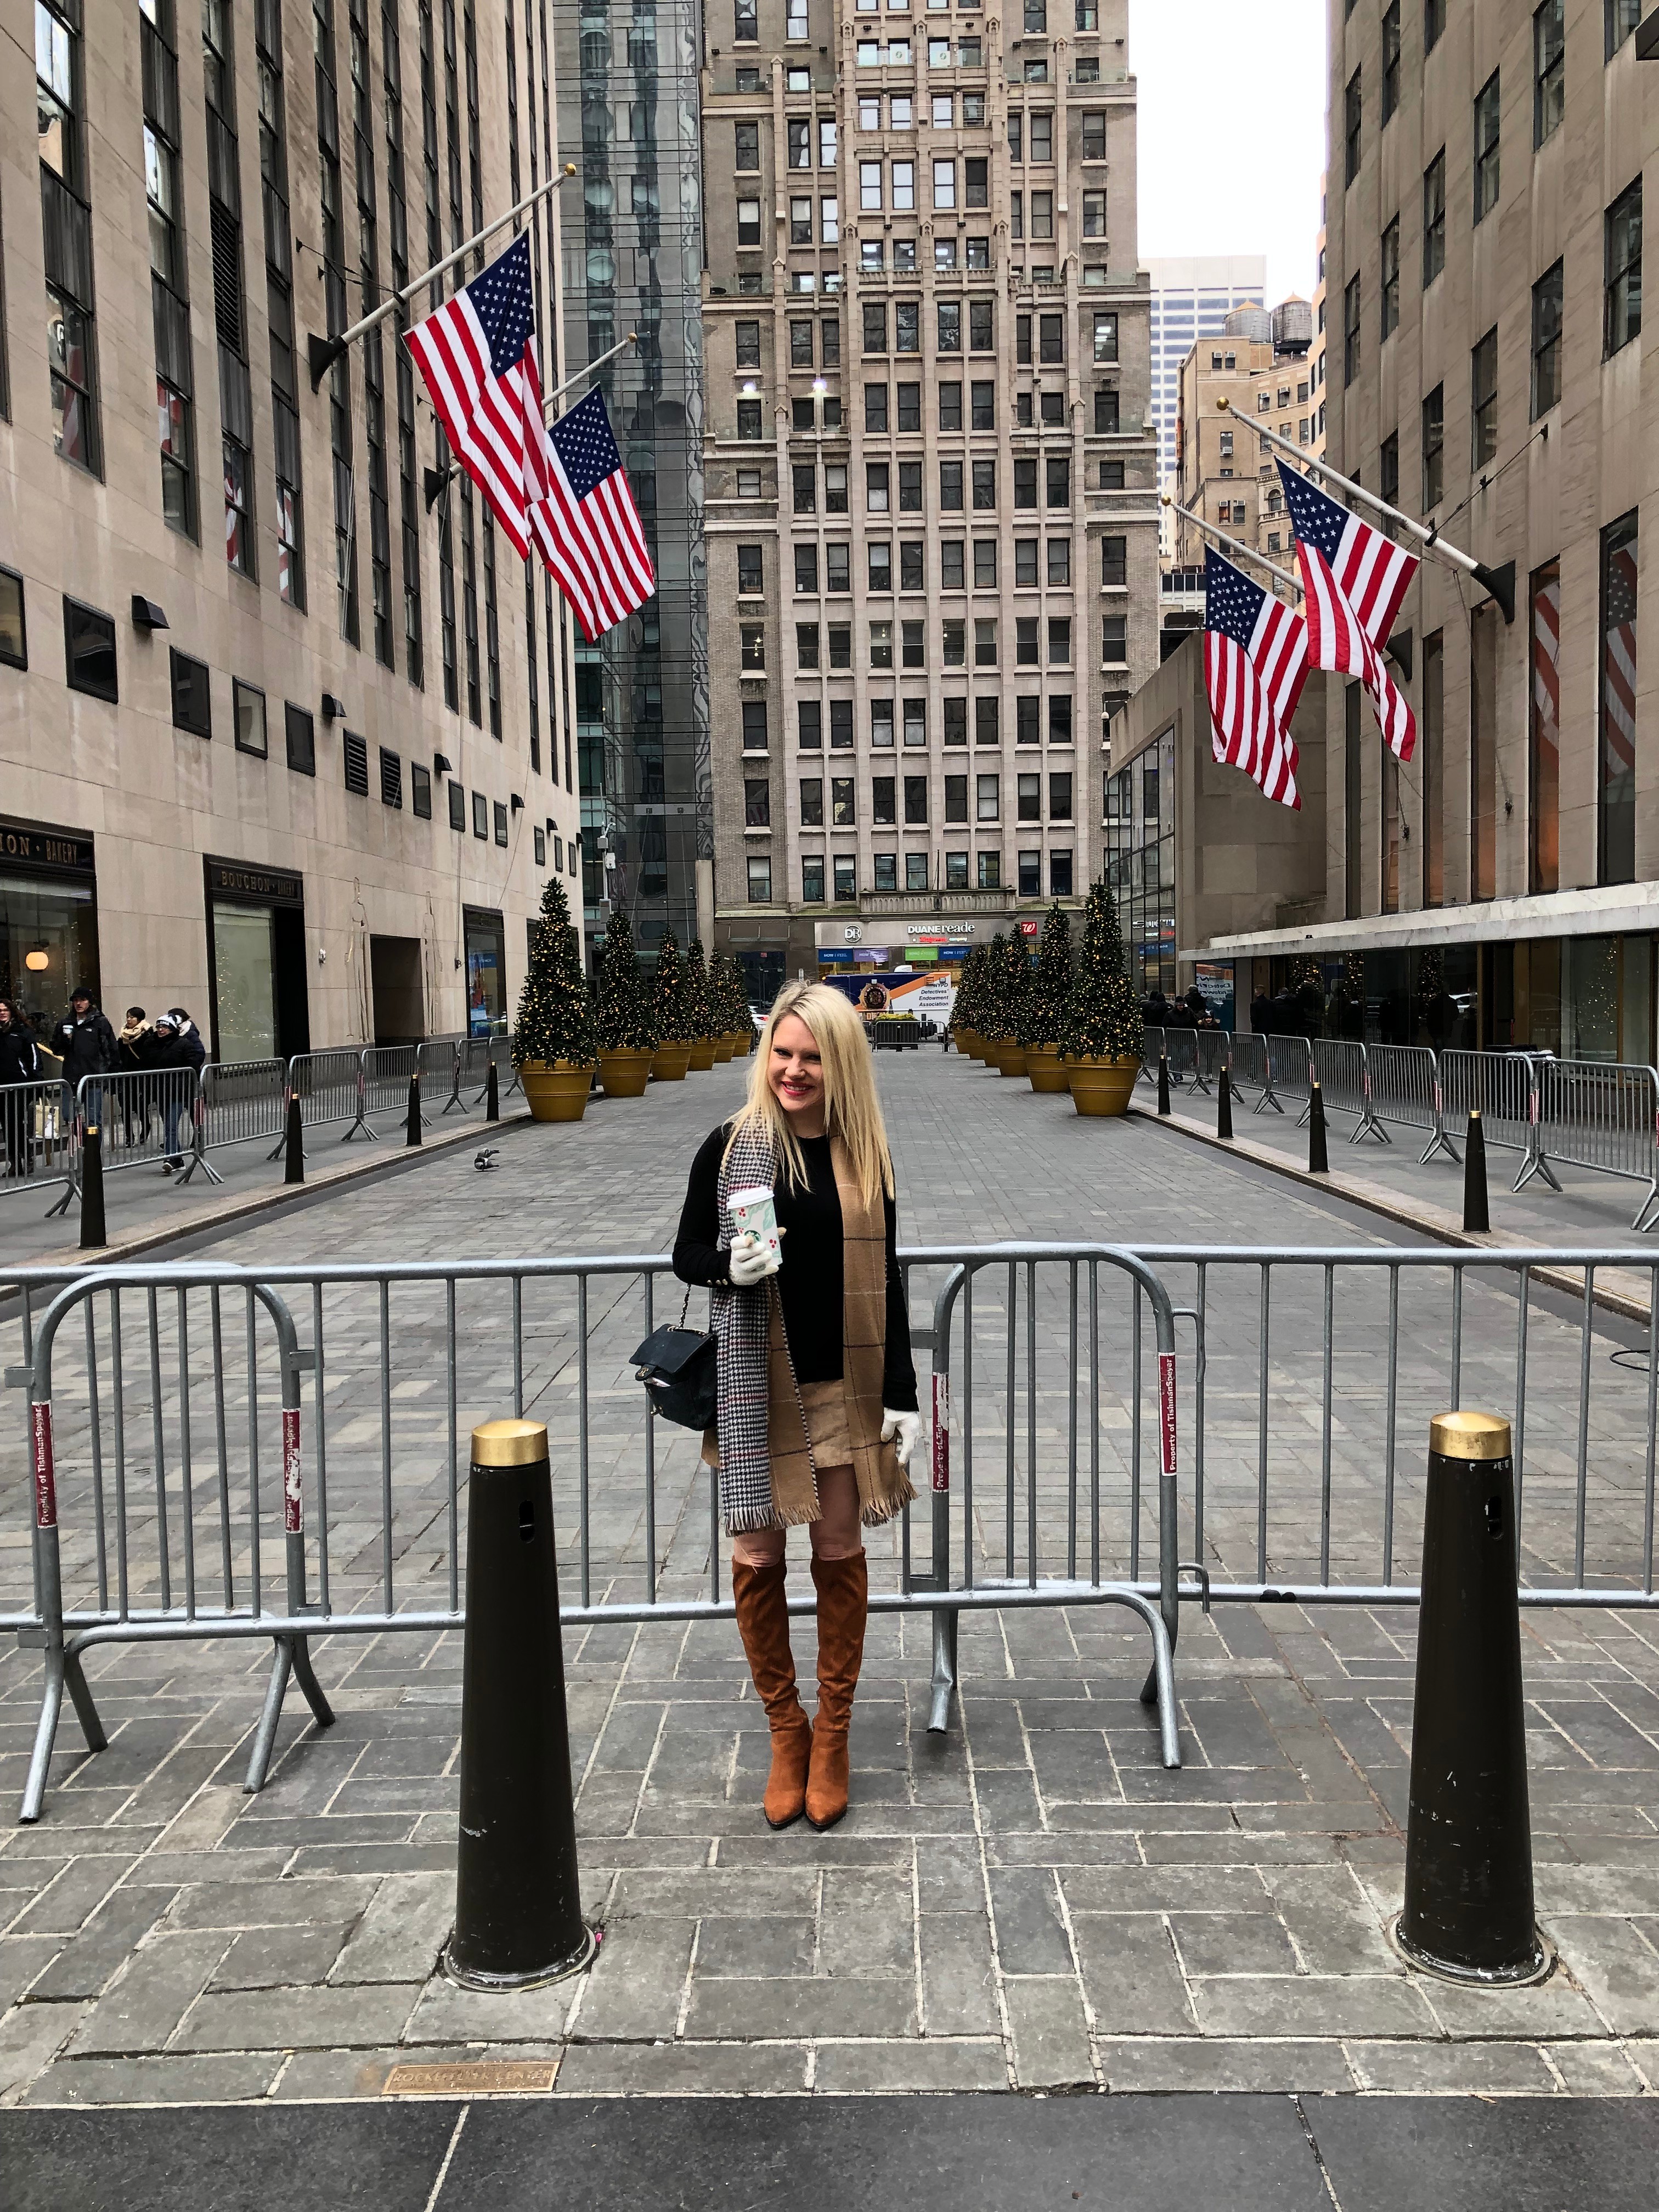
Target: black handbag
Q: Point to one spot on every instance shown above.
(678, 1366)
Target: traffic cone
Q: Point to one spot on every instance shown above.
(518, 1896)
(1318, 1158)
(1468, 1910)
(1476, 1211)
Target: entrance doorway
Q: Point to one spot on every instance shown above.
(257, 963)
(394, 967)
(486, 972)
(48, 919)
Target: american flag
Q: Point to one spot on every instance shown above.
(1619, 663)
(1255, 662)
(587, 527)
(1354, 579)
(477, 356)
(1547, 666)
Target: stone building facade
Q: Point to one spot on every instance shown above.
(1221, 472)
(281, 739)
(1486, 371)
(930, 470)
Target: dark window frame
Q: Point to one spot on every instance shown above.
(183, 707)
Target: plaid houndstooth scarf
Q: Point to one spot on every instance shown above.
(742, 1323)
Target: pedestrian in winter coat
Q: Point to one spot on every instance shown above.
(134, 1042)
(816, 1415)
(177, 1051)
(20, 1063)
(84, 1042)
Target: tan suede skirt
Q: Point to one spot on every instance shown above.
(825, 1405)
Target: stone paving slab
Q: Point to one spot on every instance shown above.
(1031, 1903)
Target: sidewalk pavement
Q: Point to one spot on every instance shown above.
(1030, 1903)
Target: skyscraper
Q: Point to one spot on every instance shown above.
(1191, 299)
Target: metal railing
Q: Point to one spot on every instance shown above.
(1600, 1116)
(37, 1135)
(162, 1400)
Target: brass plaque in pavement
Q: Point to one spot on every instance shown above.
(523, 2077)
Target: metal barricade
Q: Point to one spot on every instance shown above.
(1247, 1054)
(1601, 1116)
(39, 1139)
(1213, 1051)
(476, 1056)
(1181, 1046)
(1290, 1073)
(172, 1453)
(329, 1086)
(1405, 1088)
(144, 1117)
(1339, 1065)
(386, 1070)
(1154, 1044)
(1501, 1085)
(243, 1101)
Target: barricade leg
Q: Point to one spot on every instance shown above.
(452, 1104)
(291, 1655)
(198, 1157)
(944, 1672)
(1534, 1164)
(1645, 1212)
(61, 1668)
(1269, 1095)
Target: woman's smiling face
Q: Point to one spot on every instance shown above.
(795, 1071)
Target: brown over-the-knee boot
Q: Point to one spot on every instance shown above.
(843, 1588)
(764, 1623)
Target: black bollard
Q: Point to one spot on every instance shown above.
(1224, 1104)
(517, 1895)
(1476, 1213)
(492, 1095)
(1164, 1083)
(412, 1131)
(93, 1234)
(1319, 1162)
(1468, 1911)
(293, 1145)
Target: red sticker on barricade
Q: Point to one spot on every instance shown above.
(293, 1496)
(1166, 1409)
(941, 1433)
(45, 1479)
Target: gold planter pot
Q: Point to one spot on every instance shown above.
(703, 1055)
(1011, 1057)
(967, 1043)
(1045, 1067)
(1102, 1086)
(625, 1072)
(724, 1045)
(557, 1091)
(669, 1063)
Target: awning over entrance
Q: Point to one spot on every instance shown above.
(1610, 909)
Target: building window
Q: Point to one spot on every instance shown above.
(1351, 329)
(457, 808)
(499, 812)
(191, 705)
(1434, 441)
(1028, 799)
(14, 627)
(759, 879)
(1388, 478)
(1623, 269)
(1483, 400)
(812, 880)
(757, 803)
(1617, 719)
(811, 802)
(754, 725)
(1434, 22)
(299, 737)
(748, 222)
(847, 887)
(749, 570)
(1620, 18)
(1434, 218)
(1390, 59)
(990, 870)
(1391, 279)
(1351, 129)
(1486, 147)
(420, 795)
(169, 293)
(60, 94)
(1549, 69)
(1547, 300)
(988, 790)
(391, 780)
(248, 712)
(1114, 640)
(89, 651)
(1029, 877)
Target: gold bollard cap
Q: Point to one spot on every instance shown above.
(1458, 1436)
(511, 1443)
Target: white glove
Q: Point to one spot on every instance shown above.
(902, 1431)
(750, 1261)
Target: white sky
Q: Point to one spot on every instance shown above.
(1231, 131)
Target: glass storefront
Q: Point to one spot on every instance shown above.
(48, 919)
(255, 931)
(486, 972)
(1140, 863)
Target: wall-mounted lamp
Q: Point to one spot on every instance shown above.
(146, 615)
(441, 766)
(333, 709)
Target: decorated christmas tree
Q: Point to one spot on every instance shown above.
(624, 1017)
(964, 1014)
(734, 995)
(555, 1019)
(1042, 1011)
(1102, 1018)
(993, 988)
(700, 1014)
(1017, 987)
(668, 993)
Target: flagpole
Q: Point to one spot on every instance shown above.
(1499, 582)
(322, 353)
(437, 478)
(1234, 544)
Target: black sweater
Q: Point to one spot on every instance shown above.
(810, 1282)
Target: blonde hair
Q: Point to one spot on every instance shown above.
(852, 1110)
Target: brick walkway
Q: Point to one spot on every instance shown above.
(1031, 1902)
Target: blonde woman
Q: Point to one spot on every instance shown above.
(817, 1413)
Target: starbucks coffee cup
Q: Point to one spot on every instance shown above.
(754, 1212)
